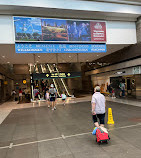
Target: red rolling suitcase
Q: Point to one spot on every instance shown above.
(101, 136)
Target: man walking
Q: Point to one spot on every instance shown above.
(98, 107)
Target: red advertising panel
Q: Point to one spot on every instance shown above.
(98, 31)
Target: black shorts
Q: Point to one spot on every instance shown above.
(101, 118)
(52, 98)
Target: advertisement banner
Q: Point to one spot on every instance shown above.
(59, 48)
(98, 31)
(37, 76)
(54, 30)
(79, 30)
(29, 29)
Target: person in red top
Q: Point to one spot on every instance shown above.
(20, 95)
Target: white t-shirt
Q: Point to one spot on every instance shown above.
(47, 96)
(99, 100)
(63, 96)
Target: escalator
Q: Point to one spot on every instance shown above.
(59, 83)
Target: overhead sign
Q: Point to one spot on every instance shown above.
(120, 72)
(42, 29)
(137, 70)
(56, 75)
(59, 48)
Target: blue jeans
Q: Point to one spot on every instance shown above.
(123, 93)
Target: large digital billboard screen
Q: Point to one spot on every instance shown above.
(29, 29)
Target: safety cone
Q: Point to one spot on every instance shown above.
(110, 117)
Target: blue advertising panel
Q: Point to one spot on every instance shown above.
(59, 48)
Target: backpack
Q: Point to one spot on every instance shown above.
(52, 93)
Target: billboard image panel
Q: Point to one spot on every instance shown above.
(27, 29)
(58, 30)
(54, 30)
(98, 31)
(79, 30)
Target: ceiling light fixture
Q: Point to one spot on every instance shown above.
(3, 56)
(38, 56)
(8, 62)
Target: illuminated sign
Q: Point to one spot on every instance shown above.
(24, 81)
(5, 82)
(59, 48)
(56, 75)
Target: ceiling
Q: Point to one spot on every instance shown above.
(74, 9)
(8, 56)
(118, 1)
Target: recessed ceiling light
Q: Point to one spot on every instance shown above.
(97, 55)
(8, 62)
(3, 56)
(87, 60)
(37, 61)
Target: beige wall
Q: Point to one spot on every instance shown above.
(138, 86)
(21, 69)
(100, 81)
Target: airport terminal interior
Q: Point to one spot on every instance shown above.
(70, 79)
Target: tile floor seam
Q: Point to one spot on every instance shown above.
(45, 140)
(13, 133)
(107, 152)
(131, 144)
(36, 133)
(63, 137)
(68, 147)
(11, 139)
(9, 144)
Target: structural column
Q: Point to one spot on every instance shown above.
(138, 28)
(138, 86)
